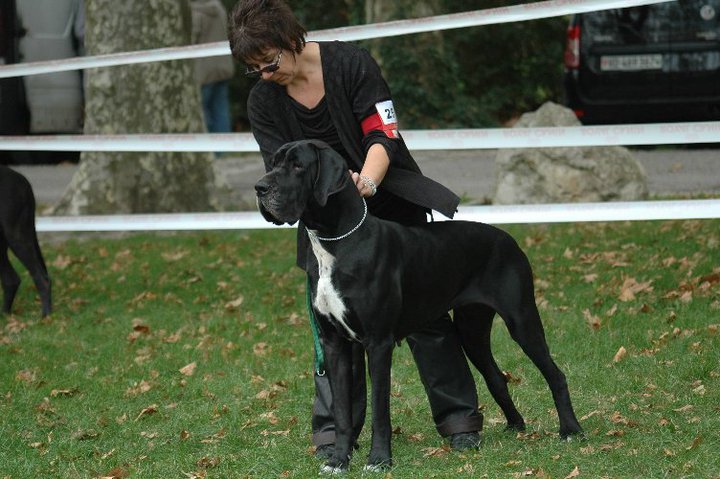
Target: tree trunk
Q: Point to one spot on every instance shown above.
(159, 97)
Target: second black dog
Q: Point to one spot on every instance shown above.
(17, 232)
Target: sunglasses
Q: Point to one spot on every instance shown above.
(273, 67)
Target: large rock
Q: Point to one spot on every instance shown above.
(562, 175)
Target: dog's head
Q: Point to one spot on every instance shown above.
(303, 173)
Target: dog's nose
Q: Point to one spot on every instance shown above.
(261, 188)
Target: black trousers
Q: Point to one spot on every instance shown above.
(444, 372)
(439, 357)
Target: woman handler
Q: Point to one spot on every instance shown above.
(334, 91)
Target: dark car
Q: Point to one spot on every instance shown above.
(652, 63)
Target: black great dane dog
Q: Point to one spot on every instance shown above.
(377, 281)
(17, 231)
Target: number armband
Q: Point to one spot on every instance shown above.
(383, 119)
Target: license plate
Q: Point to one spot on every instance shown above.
(631, 62)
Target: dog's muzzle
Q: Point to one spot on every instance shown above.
(264, 200)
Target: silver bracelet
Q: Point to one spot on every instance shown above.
(367, 181)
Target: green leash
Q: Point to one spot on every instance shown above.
(319, 353)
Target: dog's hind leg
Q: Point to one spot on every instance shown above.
(474, 323)
(8, 277)
(526, 329)
(23, 242)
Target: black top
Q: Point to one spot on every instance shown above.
(316, 123)
(354, 87)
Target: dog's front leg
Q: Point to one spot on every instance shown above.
(379, 364)
(339, 356)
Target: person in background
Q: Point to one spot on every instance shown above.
(335, 92)
(209, 24)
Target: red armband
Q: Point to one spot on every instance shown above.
(383, 119)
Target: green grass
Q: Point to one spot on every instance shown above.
(96, 390)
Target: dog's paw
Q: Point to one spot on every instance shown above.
(516, 427)
(573, 436)
(378, 463)
(377, 468)
(329, 470)
(335, 466)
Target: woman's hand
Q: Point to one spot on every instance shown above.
(366, 186)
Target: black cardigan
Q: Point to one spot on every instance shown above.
(353, 86)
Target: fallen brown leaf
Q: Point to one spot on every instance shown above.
(116, 473)
(196, 475)
(85, 434)
(62, 262)
(631, 288)
(174, 256)
(26, 375)
(575, 473)
(509, 378)
(152, 409)
(208, 462)
(63, 392)
(620, 355)
(234, 304)
(138, 388)
(696, 442)
(261, 349)
(592, 320)
(436, 451)
(189, 369)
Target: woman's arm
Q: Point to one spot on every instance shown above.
(373, 107)
(374, 169)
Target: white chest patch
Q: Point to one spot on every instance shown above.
(327, 299)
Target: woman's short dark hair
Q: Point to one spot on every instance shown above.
(256, 26)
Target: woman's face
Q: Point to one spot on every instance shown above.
(272, 65)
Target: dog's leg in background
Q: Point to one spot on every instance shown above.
(379, 364)
(514, 300)
(474, 323)
(8, 277)
(531, 338)
(23, 242)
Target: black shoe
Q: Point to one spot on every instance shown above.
(324, 451)
(463, 441)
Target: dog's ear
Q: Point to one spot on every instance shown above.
(331, 171)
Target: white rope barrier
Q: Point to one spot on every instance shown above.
(495, 214)
(592, 212)
(460, 139)
(643, 134)
(515, 13)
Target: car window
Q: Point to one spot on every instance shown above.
(687, 20)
